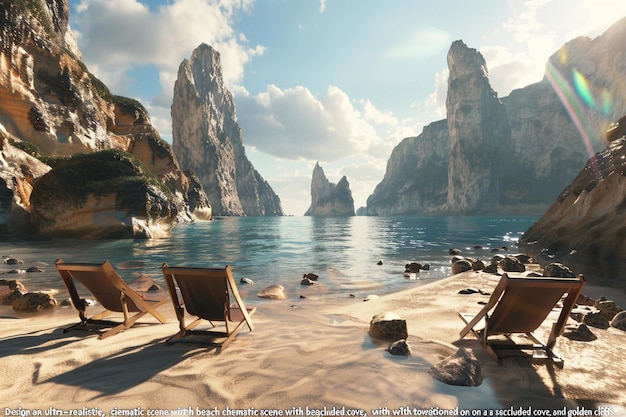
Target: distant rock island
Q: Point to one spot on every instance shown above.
(328, 199)
(207, 140)
(512, 155)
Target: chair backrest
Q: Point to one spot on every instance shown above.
(527, 301)
(101, 281)
(205, 291)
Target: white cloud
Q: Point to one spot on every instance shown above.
(294, 124)
(116, 35)
(437, 99)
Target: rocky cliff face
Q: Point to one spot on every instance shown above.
(52, 105)
(554, 126)
(585, 228)
(207, 139)
(102, 195)
(328, 199)
(416, 180)
(479, 133)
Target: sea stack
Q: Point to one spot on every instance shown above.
(207, 139)
(328, 199)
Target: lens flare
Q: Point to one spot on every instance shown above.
(582, 88)
(572, 104)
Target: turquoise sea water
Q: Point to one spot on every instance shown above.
(344, 252)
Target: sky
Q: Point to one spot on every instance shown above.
(339, 82)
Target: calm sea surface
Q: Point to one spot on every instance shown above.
(344, 252)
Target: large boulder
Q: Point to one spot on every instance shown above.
(33, 302)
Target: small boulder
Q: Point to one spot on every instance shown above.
(619, 321)
(579, 332)
(34, 301)
(273, 292)
(312, 277)
(388, 326)
(608, 308)
(246, 281)
(557, 270)
(399, 348)
(13, 261)
(461, 266)
(597, 320)
(371, 297)
(523, 258)
(460, 369)
(413, 267)
(492, 268)
(585, 300)
(307, 281)
(454, 251)
(477, 265)
(511, 264)
(426, 267)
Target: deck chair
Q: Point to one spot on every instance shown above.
(206, 294)
(111, 292)
(520, 305)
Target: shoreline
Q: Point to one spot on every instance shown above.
(301, 353)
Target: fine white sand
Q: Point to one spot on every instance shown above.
(303, 353)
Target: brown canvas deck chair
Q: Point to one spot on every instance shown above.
(520, 305)
(206, 294)
(111, 291)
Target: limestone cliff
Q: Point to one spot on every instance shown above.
(585, 228)
(416, 180)
(106, 194)
(207, 140)
(479, 133)
(52, 105)
(328, 199)
(554, 126)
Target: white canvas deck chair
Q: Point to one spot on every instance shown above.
(110, 290)
(520, 305)
(206, 294)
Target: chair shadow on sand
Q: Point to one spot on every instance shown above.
(126, 368)
(35, 342)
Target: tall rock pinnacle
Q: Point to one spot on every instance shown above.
(207, 139)
(479, 133)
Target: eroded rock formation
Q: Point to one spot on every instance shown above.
(328, 199)
(555, 125)
(207, 140)
(99, 195)
(50, 105)
(479, 133)
(585, 228)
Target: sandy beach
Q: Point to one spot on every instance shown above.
(305, 356)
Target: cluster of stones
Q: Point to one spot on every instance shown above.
(599, 314)
(506, 263)
(15, 294)
(461, 368)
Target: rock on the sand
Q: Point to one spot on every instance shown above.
(273, 292)
(579, 332)
(33, 302)
(619, 321)
(399, 348)
(461, 369)
(388, 326)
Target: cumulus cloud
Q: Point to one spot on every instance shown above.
(116, 35)
(293, 123)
